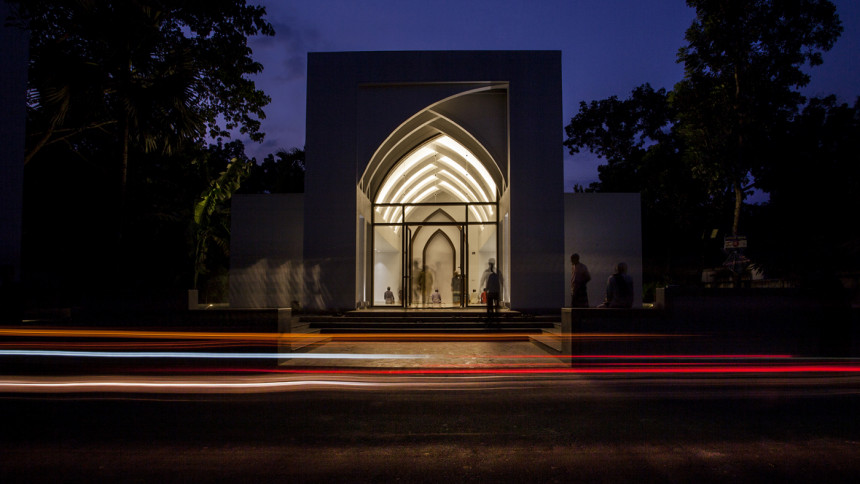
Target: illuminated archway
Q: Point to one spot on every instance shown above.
(431, 172)
(439, 168)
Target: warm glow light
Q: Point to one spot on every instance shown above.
(426, 194)
(485, 209)
(402, 168)
(403, 185)
(462, 197)
(461, 150)
(411, 195)
(465, 176)
(469, 195)
(423, 196)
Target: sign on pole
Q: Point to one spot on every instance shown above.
(734, 245)
(735, 242)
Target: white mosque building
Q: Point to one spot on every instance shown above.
(422, 168)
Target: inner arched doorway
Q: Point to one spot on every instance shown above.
(435, 222)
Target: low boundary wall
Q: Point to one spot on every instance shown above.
(711, 322)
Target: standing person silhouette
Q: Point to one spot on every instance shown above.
(493, 284)
(426, 284)
(579, 278)
(417, 284)
(619, 289)
(456, 288)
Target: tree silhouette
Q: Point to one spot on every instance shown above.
(742, 67)
(281, 172)
(153, 76)
(734, 120)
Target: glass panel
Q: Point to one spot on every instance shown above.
(505, 255)
(436, 213)
(484, 212)
(482, 248)
(387, 265)
(435, 258)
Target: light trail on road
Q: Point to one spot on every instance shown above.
(276, 337)
(804, 381)
(351, 361)
(209, 355)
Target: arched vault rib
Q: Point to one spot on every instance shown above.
(452, 145)
(440, 165)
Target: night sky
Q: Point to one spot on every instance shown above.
(608, 48)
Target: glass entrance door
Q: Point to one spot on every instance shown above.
(436, 254)
(436, 260)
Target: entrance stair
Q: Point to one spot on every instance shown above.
(427, 321)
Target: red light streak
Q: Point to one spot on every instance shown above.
(474, 364)
(636, 357)
(835, 368)
(269, 380)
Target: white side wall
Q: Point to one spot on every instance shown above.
(266, 244)
(604, 229)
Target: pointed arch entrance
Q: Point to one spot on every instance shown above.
(435, 188)
(435, 219)
(438, 261)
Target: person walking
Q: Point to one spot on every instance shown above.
(426, 284)
(493, 284)
(456, 288)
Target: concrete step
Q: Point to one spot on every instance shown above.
(426, 318)
(550, 338)
(425, 326)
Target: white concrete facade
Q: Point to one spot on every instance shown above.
(367, 110)
(266, 250)
(426, 163)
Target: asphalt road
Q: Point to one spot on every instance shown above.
(571, 428)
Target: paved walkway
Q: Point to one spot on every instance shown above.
(426, 354)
